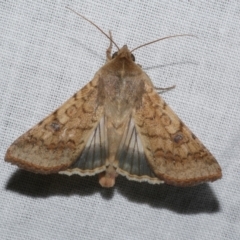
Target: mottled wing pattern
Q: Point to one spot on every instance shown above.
(173, 151)
(56, 142)
(92, 160)
(132, 162)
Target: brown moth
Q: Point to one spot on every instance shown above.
(116, 124)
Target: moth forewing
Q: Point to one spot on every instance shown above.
(116, 124)
(173, 151)
(56, 142)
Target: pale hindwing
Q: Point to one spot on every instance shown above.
(93, 158)
(132, 162)
(56, 142)
(173, 151)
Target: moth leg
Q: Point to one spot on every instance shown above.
(165, 89)
(109, 50)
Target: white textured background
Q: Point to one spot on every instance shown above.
(47, 53)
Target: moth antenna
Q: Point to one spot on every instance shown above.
(145, 44)
(94, 25)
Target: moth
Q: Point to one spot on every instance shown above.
(116, 125)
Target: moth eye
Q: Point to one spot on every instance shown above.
(114, 55)
(133, 57)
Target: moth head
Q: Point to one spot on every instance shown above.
(114, 55)
(124, 53)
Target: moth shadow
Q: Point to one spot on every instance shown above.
(38, 185)
(88, 49)
(170, 65)
(188, 200)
